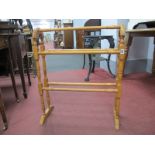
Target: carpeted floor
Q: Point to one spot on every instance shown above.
(84, 113)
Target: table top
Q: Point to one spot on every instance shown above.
(141, 30)
(14, 34)
(9, 34)
(147, 32)
(7, 26)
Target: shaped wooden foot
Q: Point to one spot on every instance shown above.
(45, 116)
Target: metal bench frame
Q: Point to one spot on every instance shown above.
(45, 86)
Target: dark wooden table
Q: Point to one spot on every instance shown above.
(16, 51)
(148, 32)
(10, 60)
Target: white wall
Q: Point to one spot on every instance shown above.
(140, 45)
(104, 43)
(114, 33)
(141, 48)
(44, 23)
(133, 22)
(150, 48)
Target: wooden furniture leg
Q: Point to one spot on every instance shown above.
(21, 71)
(12, 72)
(120, 67)
(27, 69)
(42, 47)
(34, 67)
(46, 112)
(2, 111)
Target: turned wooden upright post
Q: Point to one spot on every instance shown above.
(40, 85)
(42, 48)
(119, 75)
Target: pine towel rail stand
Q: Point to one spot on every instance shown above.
(45, 86)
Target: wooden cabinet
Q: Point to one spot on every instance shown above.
(68, 37)
(79, 39)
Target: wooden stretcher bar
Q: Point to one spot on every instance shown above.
(45, 86)
(80, 28)
(79, 51)
(81, 84)
(79, 89)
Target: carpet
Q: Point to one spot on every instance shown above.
(83, 113)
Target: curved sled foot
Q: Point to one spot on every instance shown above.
(45, 116)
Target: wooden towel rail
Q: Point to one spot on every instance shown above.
(46, 86)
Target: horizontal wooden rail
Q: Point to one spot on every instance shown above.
(79, 51)
(81, 84)
(79, 89)
(80, 28)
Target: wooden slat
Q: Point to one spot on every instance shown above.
(79, 89)
(79, 51)
(79, 28)
(81, 84)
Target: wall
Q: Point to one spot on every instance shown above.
(44, 23)
(140, 52)
(105, 44)
(150, 54)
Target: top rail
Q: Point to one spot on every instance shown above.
(79, 51)
(80, 28)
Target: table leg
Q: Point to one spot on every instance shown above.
(27, 69)
(2, 111)
(12, 72)
(21, 71)
(153, 65)
(34, 67)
